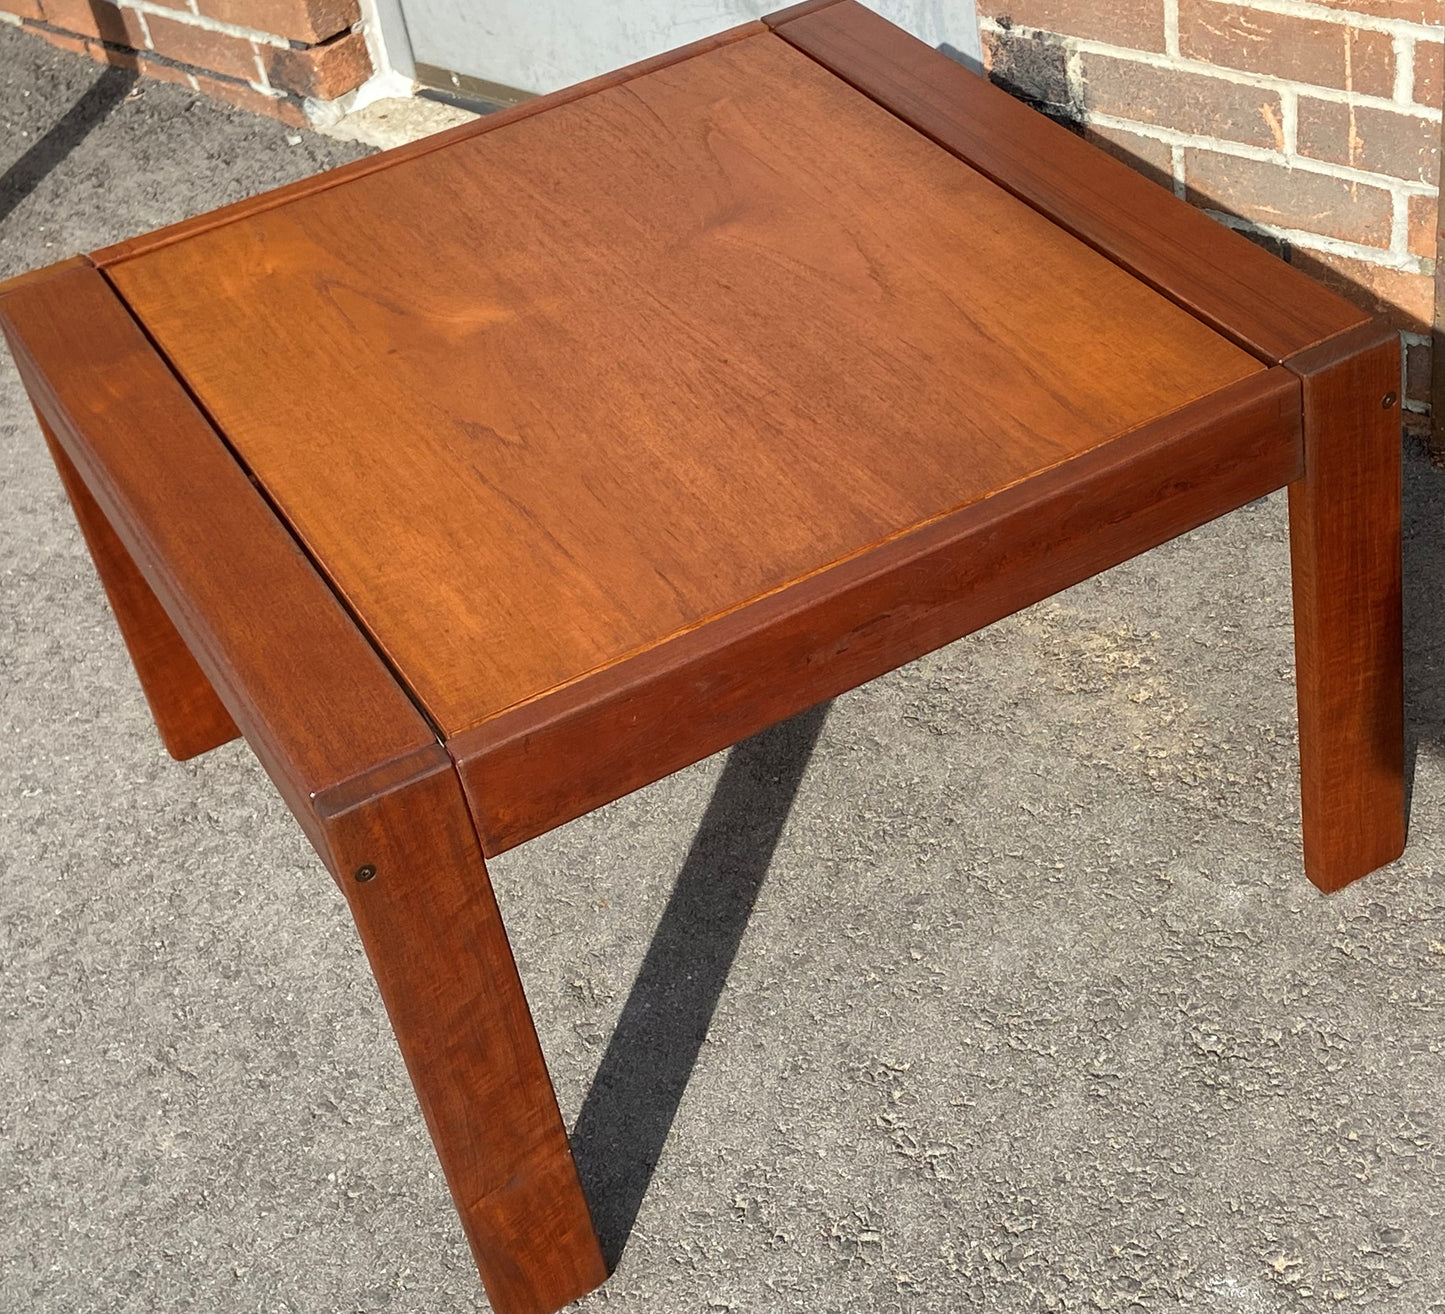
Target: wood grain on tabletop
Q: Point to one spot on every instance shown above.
(1225, 279)
(681, 700)
(544, 398)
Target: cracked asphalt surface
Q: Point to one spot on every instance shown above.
(1031, 1006)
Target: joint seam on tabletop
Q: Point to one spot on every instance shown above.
(276, 511)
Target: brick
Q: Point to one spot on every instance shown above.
(63, 40)
(1424, 216)
(1378, 141)
(1299, 49)
(1417, 371)
(1189, 102)
(1138, 24)
(1150, 156)
(1430, 12)
(21, 8)
(248, 98)
(103, 54)
(323, 72)
(1406, 300)
(1268, 193)
(1429, 73)
(162, 72)
(298, 20)
(96, 18)
(233, 57)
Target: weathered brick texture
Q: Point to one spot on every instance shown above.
(1296, 49)
(1376, 140)
(1429, 72)
(1136, 23)
(307, 21)
(267, 56)
(1311, 126)
(323, 72)
(1289, 198)
(1406, 299)
(1192, 103)
(1149, 155)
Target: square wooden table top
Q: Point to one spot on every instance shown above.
(543, 399)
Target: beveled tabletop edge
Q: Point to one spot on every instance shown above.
(585, 743)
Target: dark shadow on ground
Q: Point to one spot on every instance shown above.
(628, 1112)
(31, 169)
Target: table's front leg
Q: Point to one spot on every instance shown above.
(1345, 554)
(412, 869)
(190, 717)
(356, 761)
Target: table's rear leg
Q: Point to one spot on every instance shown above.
(411, 866)
(190, 717)
(1345, 553)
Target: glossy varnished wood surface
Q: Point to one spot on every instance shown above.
(312, 697)
(1345, 559)
(435, 940)
(635, 722)
(332, 178)
(545, 398)
(226, 618)
(188, 714)
(1242, 291)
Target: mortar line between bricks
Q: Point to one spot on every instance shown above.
(1241, 77)
(1289, 122)
(1263, 155)
(1399, 224)
(1404, 69)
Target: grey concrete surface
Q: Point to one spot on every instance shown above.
(1031, 1006)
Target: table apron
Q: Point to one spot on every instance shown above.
(550, 760)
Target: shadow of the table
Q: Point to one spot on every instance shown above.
(626, 1116)
(635, 1095)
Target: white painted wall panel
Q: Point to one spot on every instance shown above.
(540, 45)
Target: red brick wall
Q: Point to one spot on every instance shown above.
(1311, 125)
(270, 56)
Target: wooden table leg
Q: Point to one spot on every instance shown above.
(190, 717)
(410, 864)
(1345, 553)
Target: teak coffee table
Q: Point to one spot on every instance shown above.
(482, 481)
